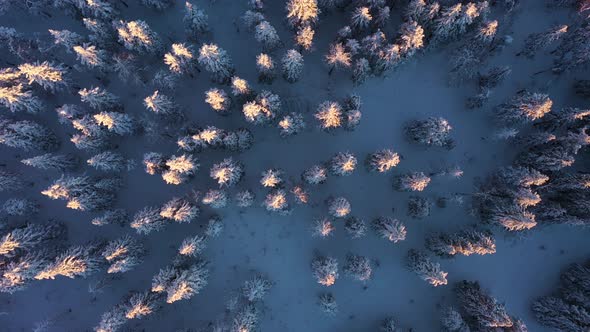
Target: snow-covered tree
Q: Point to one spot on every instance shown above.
(112, 320)
(267, 35)
(49, 76)
(330, 115)
(123, 254)
(227, 173)
(343, 164)
(302, 12)
(266, 68)
(430, 132)
(18, 273)
(272, 178)
(452, 321)
(411, 38)
(486, 33)
(180, 59)
(214, 227)
(538, 41)
(148, 220)
(28, 237)
(276, 201)
(325, 270)
(52, 161)
(218, 100)
(10, 181)
(467, 242)
(263, 109)
(66, 38)
(110, 161)
(192, 246)
(179, 210)
(195, 20)
(138, 36)
(361, 71)
(382, 161)
(161, 105)
(358, 267)
(314, 175)
(419, 263)
(27, 135)
(217, 62)
(181, 283)
(292, 64)
(244, 198)
(180, 169)
(215, 198)
(251, 19)
(256, 289)
(322, 227)
(101, 33)
(91, 56)
(419, 207)
(390, 229)
(524, 107)
(141, 304)
(361, 18)
(327, 304)
(157, 4)
(17, 99)
(111, 217)
(291, 124)
(338, 57)
(99, 99)
(355, 227)
(338, 207)
(98, 8)
(77, 261)
(481, 307)
(119, 123)
(413, 181)
(304, 37)
(20, 207)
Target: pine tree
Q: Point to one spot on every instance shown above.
(267, 35)
(27, 135)
(411, 39)
(430, 132)
(10, 181)
(181, 59)
(91, 57)
(66, 38)
(338, 57)
(179, 210)
(119, 123)
(325, 270)
(413, 181)
(256, 288)
(494, 77)
(217, 199)
(453, 322)
(382, 161)
(227, 173)
(355, 227)
(110, 161)
(112, 320)
(486, 33)
(358, 267)
(304, 37)
(390, 229)
(101, 33)
(240, 87)
(195, 20)
(419, 263)
(18, 273)
(28, 237)
(99, 99)
(361, 18)
(327, 304)
(316, 174)
(20, 207)
(343, 164)
(217, 62)
(330, 115)
(291, 124)
(140, 305)
(218, 100)
(276, 201)
(99, 8)
(123, 254)
(78, 261)
(266, 68)
(361, 71)
(302, 12)
(538, 41)
(524, 107)
(147, 220)
(52, 161)
(48, 75)
(180, 169)
(419, 207)
(251, 19)
(322, 227)
(292, 66)
(162, 105)
(245, 198)
(272, 178)
(193, 246)
(263, 109)
(246, 319)
(111, 217)
(466, 242)
(17, 99)
(181, 283)
(137, 36)
(338, 207)
(481, 307)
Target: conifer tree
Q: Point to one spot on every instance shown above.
(292, 66)
(343, 164)
(180, 59)
(481, 307)
(27, 135)
(52, 161)
(137, 36)
(266, 68)
(267, 35)
(413, 181)
(227, 173)
(123, 254)
(382, 161)
(148, 220)
(218, 100)
(276, 201)
(390, 229)
(325, 270)
(217, 62)
(467, 242)
(355, 227)
(17, 99)
(358, 267)
(430, 132)
(195, 20)
(419, 263)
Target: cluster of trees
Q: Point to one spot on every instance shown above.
(151, 219)
(568, 309)
(174, 170)
(84, 193)
(35, 252)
